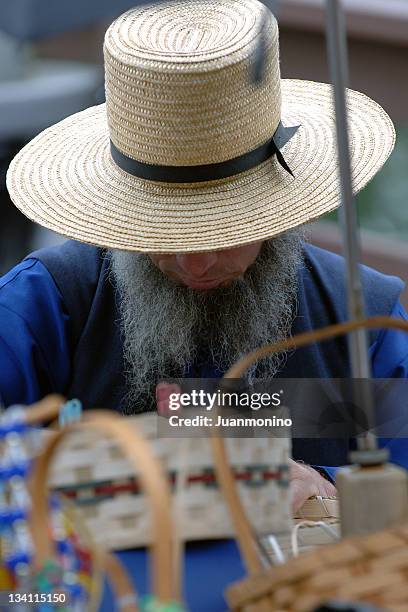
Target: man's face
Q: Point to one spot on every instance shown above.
(204, 271)
(183, 310)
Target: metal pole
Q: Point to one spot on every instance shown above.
(386, 483)
(358, 344)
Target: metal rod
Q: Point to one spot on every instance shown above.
(358, 343)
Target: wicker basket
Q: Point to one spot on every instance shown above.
(46, 564)
(165, 574)
(317, 523)
(95, 474)
(371, 569)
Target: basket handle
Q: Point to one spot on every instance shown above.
(120, 582)
(245, 536)
(45, 410)
(153, 482)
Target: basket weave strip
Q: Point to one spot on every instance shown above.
(370, 568)
(364, 558)
(165, 576)
(95, 474)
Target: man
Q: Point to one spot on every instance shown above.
(194, 183)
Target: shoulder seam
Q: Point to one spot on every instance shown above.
(32, 261)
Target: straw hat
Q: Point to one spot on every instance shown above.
(180, 103)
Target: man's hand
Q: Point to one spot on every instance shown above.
(306, 482)
(163, 392)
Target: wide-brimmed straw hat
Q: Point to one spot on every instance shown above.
(189, 153)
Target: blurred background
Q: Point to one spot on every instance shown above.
(51, 66)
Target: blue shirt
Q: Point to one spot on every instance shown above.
(36, 357)
(36, 352)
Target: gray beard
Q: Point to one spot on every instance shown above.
(167, 327)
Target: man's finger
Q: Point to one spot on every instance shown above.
(306, 482)
(164, 391)
(301, 490)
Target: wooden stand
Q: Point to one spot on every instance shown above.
(372, 498)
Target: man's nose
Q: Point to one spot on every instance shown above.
(196, 265)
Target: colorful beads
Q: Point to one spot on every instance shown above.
(71, 571)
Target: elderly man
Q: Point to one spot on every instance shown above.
(193, 184)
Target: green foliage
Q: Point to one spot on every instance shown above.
(383, 204)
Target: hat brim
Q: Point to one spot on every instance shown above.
(66, 180)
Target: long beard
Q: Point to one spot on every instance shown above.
(167, 327)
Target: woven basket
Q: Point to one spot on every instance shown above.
(373, 569)
(165, 572)
(95, 474)
(317, 523)
(80, 580)
(165, 576)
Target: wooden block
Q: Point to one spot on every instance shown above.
(372, 499)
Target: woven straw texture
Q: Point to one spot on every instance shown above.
(179, 93)
(95, 474)
(370, 568)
